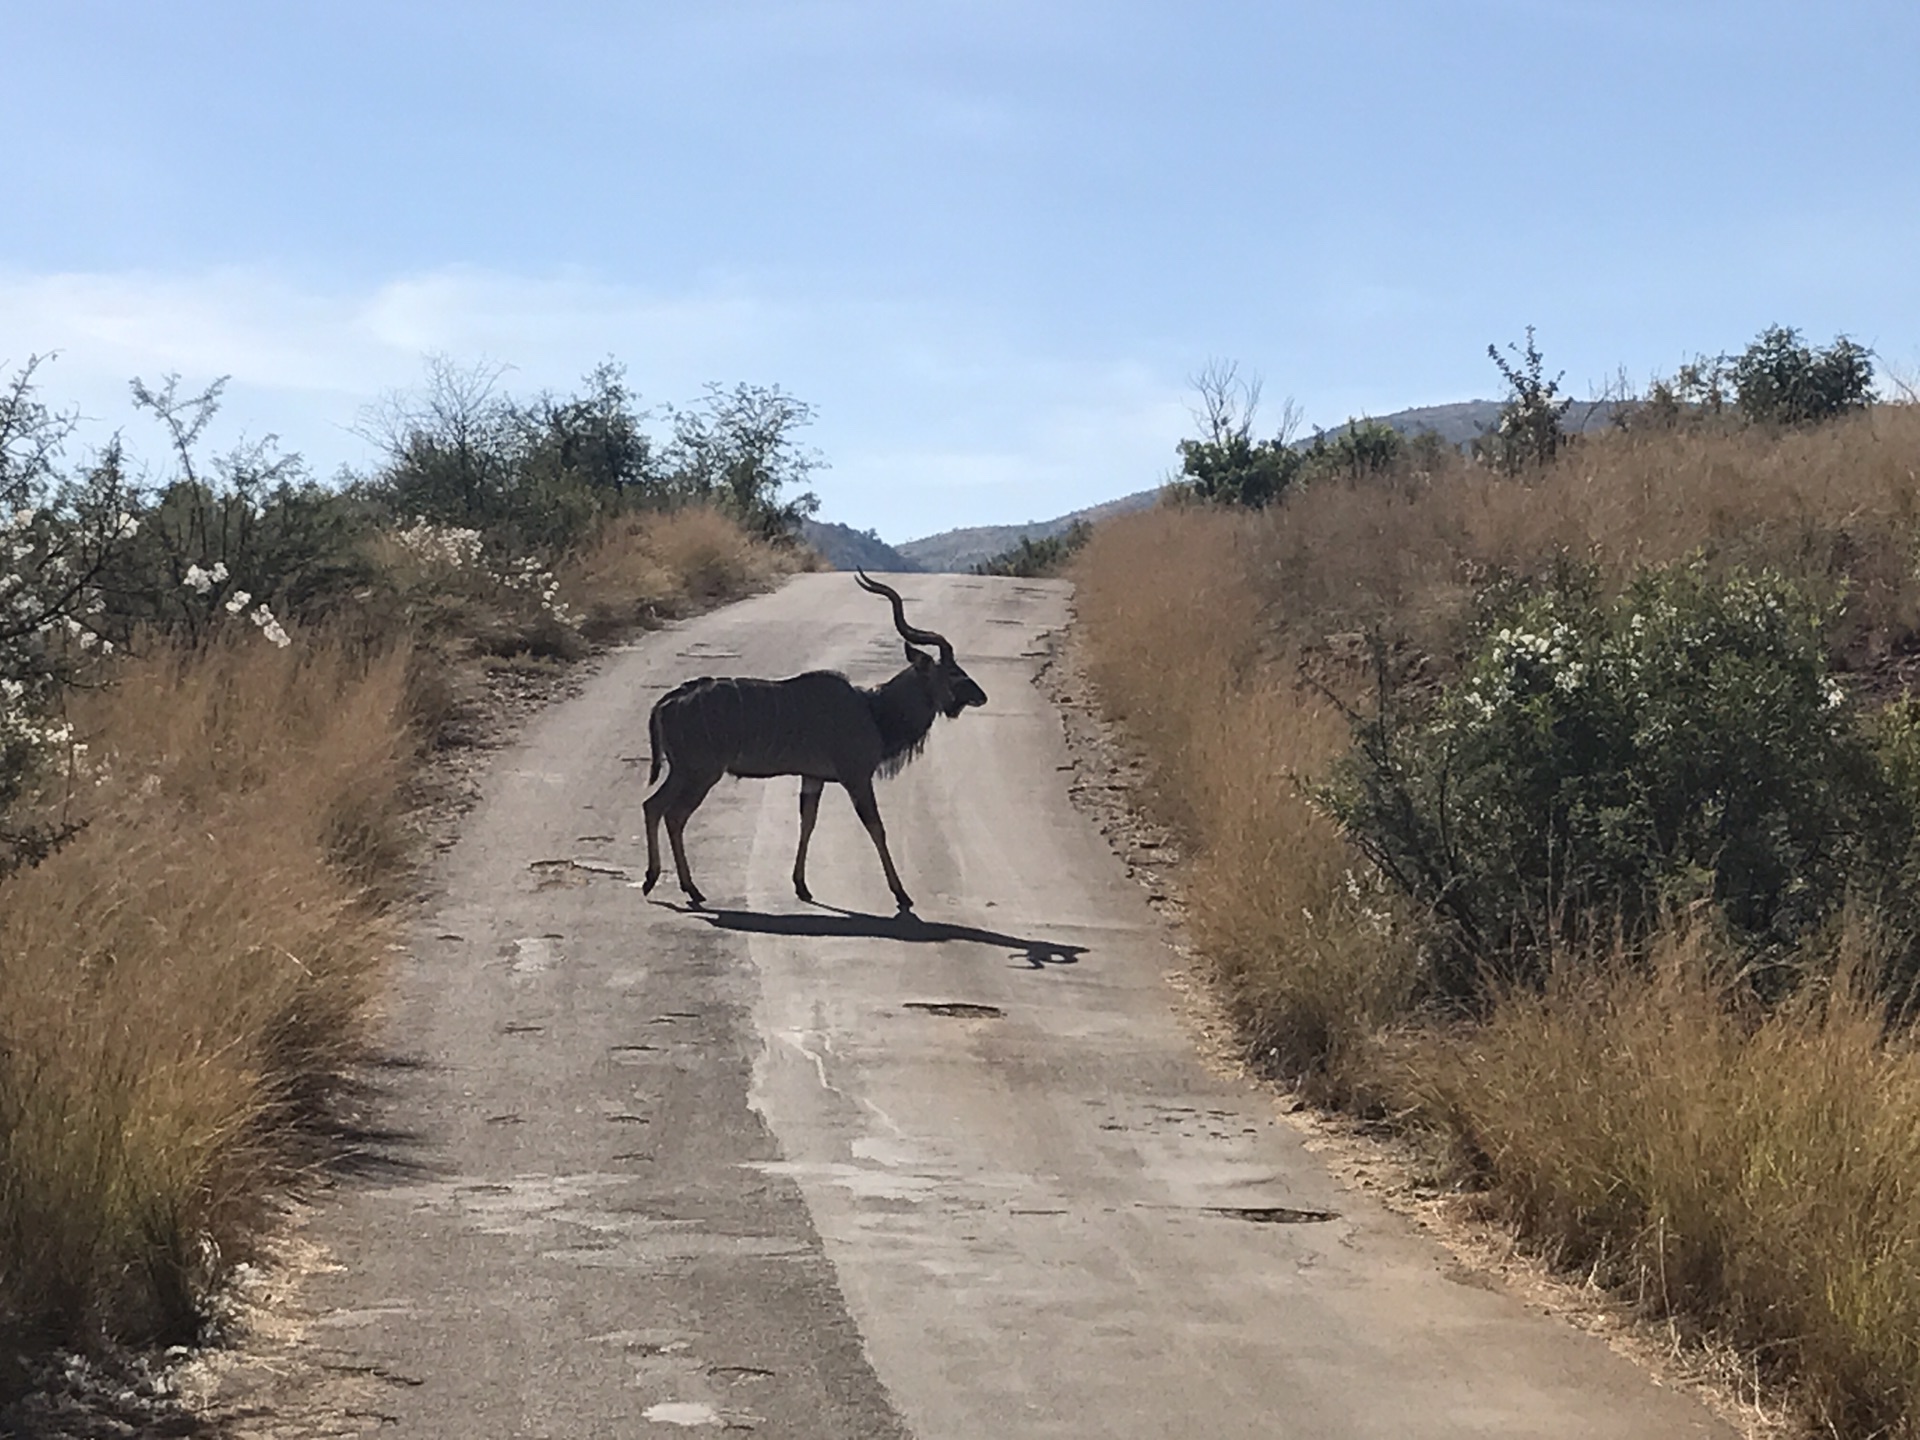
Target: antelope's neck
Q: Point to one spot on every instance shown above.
(903, 712)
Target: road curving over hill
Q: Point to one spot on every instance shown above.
(816, 1170)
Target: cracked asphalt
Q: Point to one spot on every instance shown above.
(818, 1170)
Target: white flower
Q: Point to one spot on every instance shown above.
(449, 546)
(238, 601)
(270, 627)
(199, 581)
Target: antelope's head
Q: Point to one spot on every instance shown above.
(951, 688)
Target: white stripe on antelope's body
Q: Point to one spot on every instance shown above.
(819, 726)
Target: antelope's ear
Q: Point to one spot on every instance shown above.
(919, 659)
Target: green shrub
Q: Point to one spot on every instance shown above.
(736, 452)
(461, 455)
(1238, 470)
(1531, 429)
(1599, 763)
(1227, 466)
(1359, 449)
(1035, 557)
(1777, 380)
(541, 475)
(1781, 380)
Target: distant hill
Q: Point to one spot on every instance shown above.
(846, 548)
(1468, 419)
(959, 550)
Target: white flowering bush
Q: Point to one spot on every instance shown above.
(452, 578)
(217, 597)
(441, 548)
(33, 742)
(449, 551)
(1600, 761)
(240, 536)
(58, 537)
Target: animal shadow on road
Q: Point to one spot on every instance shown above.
(1038, 954)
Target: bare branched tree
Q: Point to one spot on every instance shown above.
(1227, 466)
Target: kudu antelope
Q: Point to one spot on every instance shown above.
(819, 726)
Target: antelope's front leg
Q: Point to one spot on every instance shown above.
(676, 838)
(809, 812)
(869, 813)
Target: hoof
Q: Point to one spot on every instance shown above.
(804, 893)
(646, 885)
(905, 902)
(696, 900)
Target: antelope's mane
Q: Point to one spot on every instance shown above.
(903, 713)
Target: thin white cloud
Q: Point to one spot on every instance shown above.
(270, 332)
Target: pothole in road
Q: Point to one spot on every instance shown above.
(557, 869)
(683, 1412)
(957, 1009)
(1274, 1214)
(740, 1372)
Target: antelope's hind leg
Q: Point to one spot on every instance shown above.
(809, 812)
(652, 807)
(674, 801)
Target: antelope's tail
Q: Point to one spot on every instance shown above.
(653, 744)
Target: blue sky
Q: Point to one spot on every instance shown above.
(989, 242)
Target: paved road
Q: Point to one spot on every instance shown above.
(819, 1172)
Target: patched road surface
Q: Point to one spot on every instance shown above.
(813, 1170)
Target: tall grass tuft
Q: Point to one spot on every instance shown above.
(182, 986)
(648, 566)
(1756, 1172)
(1312, 955)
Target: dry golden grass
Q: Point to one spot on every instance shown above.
(1757, 1175)
(181, 985)
(1308, 954)
(1839, 503)
(646, 567)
